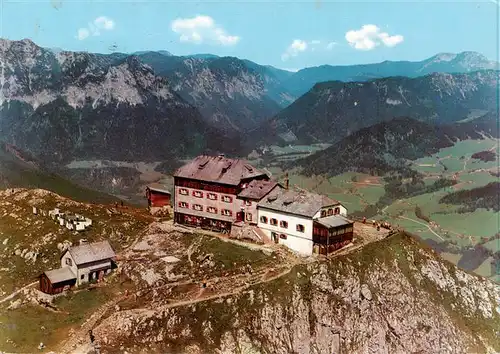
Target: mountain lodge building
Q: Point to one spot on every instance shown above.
(214, 192)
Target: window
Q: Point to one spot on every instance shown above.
(82, 277)
(226, 212)
(263, 219)
(300, 228)
(284, 224)
(323, 213)
(197, 194)
(212, 210)
(183, 205)
(249, 217)
(248, 202)
(330, 211)
(337, 211)
(212, 196)
(183, 191)
(68, 262)
(227, 199)
(283, 236)
(274, 222)
(198, 207)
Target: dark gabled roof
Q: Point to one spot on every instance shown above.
(158, 187)
(257, 189)
(218, 169)
(297, 202)
(59, 275)
(91, 252)
(334, 221)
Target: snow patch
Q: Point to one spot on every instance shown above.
(393, 102)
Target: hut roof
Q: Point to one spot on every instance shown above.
(60, 275)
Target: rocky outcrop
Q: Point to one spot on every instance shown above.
(393, 296)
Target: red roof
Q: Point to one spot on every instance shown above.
(218, 169)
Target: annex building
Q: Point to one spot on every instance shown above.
(305, 222)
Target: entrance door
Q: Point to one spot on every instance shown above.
(240, 216)
(274, 237)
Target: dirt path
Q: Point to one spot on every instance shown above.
(233, 292)
(421, 223)
(11, 296)
(78, 337)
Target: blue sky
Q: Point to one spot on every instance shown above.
(283, 34)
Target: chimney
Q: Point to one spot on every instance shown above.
(287, 181)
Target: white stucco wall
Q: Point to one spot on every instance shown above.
(73, 266)
(343, 210)
(300, 242)
(85, 269)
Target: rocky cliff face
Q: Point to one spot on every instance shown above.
(68, 105)
(392, 296)
(333, 110)
(232, 94)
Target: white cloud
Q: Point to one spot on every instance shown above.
(201, 29)
(298, 46)
(104, 23)
(83, 33)
(94, 28)
(370, 36)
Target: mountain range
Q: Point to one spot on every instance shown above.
(79, 105)
(333, 110)
(59, 105)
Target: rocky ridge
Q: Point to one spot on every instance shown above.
(333, 110)
(392, 296)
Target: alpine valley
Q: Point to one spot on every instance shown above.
(415, 144)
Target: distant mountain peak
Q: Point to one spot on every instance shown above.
(162, 52)
(443, 57)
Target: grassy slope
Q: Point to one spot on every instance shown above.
(16, 173)
(20, 229)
